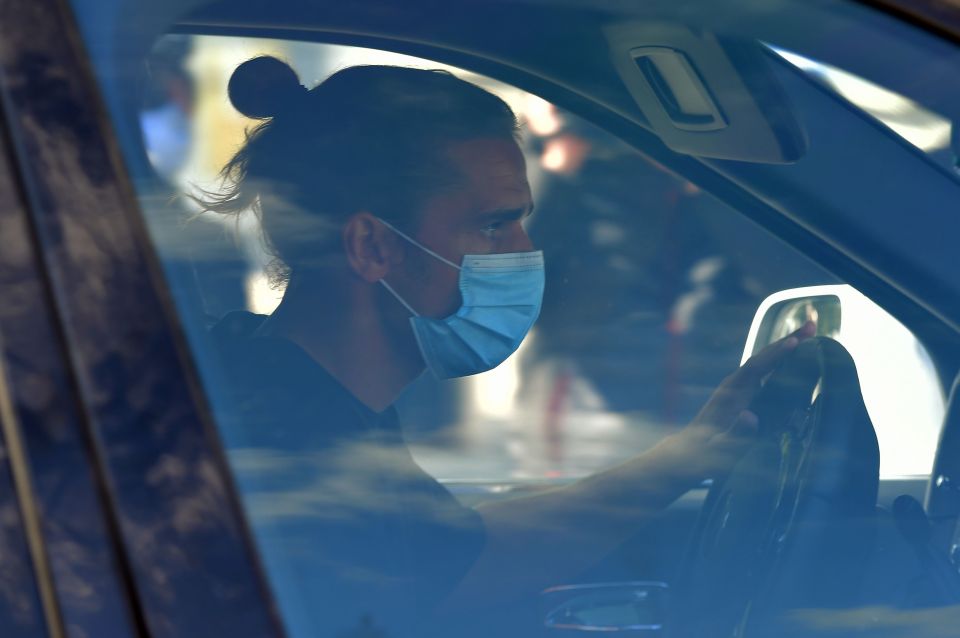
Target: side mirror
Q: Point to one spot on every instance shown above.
(611, 608)
(784, 312)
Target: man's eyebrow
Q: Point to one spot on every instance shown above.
(509, 213)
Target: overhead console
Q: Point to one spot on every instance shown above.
(707, 95)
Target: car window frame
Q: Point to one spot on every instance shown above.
(931, 15)
(53, 109)
(28, 570)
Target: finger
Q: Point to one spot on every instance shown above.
(744, 429)
(737, 390)
(731, 396)
(807, 330)
(771, 354)
(727, 447)
(747, 425)
(763, 361)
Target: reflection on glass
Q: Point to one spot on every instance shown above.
(923, 128)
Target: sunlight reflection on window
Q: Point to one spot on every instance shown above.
(924, 129)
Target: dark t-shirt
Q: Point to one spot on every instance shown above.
(350, 529)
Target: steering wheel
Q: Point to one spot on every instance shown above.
(790, 526)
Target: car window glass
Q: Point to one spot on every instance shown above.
(651, 288)
(644, 314)
(832, 139)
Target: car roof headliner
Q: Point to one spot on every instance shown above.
(554, 39)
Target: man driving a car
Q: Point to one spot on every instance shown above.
(394, 200)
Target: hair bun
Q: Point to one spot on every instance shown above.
(264, 86)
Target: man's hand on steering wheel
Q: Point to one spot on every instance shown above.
(719, 434)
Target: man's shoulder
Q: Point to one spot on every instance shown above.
(275, 383)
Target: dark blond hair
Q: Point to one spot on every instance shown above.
(370, 138)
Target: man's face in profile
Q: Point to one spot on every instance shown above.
(482, 216)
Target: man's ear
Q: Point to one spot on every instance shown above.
(371, 248)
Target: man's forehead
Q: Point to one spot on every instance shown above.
(495, 172)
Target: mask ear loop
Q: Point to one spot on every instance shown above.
(398, 297)
(421, 247)
(417, 244)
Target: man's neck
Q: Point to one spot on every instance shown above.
(345, 332)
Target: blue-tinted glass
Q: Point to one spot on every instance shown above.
(546, 492)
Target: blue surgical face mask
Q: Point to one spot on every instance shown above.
(502, 294)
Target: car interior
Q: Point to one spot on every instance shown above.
(705, 103)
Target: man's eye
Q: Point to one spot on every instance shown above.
(491, 229)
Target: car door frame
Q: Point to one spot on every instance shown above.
(139, 419)
(29, 606)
